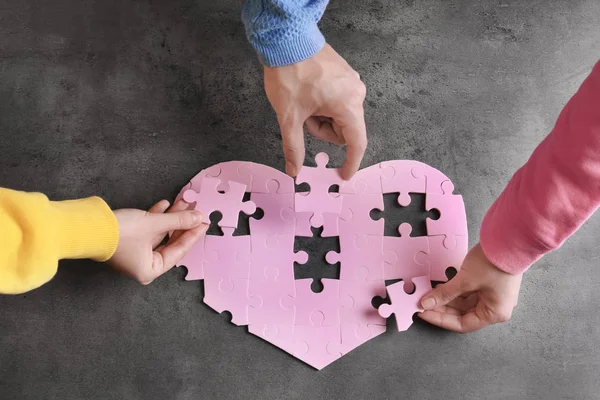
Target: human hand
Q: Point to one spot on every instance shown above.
(327, 95)
(479, 295)
(138, 253)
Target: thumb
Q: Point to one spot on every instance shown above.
(443, 294)
(182, 220)
(293, 146)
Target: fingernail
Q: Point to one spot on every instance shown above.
(290, 169)
(428, 303)
(197, 217)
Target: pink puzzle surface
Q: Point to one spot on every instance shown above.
(252, 276)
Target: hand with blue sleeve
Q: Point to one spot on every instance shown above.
(306, 81)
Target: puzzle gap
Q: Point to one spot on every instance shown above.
(394, 214)
(243, 227)
(302, 187)
(316, 267)
(334, 189)
(214, 228)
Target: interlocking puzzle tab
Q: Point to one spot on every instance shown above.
(230, 203)
(252, 276)
(318, 200)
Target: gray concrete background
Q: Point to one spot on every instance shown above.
(129, 99)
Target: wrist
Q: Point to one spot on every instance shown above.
(291, 51)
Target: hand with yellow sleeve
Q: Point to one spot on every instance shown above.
(35, 233)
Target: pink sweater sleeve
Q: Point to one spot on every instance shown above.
(553, 194)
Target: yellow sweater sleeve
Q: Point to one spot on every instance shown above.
(35, 233)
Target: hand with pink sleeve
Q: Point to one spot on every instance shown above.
(544, 203)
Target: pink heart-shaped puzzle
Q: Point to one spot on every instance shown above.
(252, 276)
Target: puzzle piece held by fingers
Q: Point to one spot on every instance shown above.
(318, 200)
(230, 203)
(405, 305)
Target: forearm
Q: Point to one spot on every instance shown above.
(284, 32)
(553, 194)
(35, 233)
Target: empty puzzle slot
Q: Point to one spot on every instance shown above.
(394, 214)
(243, 226)
(317, 267)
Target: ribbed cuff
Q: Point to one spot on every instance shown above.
(278, 54)
(86, 228)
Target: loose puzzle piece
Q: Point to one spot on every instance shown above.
(356, 253)
(229, 203)
(405, 257)
(318, 200)
(274, 253)
(311, 341)
(194, 261)
(354, 335)
(402, 177)
(223, 294)
(405, 305)
(453, 218)
(355, 217)
(365, 181)
(308, 303)
(266, 295)
(356, 301)
(442, 257)
(227, 256)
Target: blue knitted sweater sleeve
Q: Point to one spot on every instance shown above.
(284, 32)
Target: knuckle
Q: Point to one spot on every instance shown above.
(503, 315)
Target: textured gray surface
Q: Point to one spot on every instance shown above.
(127, 100)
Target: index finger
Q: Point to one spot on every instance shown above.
(355, 134)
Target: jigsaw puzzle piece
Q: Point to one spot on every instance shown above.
(303, 224)
(308, 303)
(274, 253)
(223, 294)
(279, 216)
(266, 294)
(318, 200)
(311, 342)
(365, 181)
(405, 257)
(281, 335)
(453, 218)
(356, 253)
(229, 203)
(405, 305)
(433, 179)
(354, 335)
(355, 214)
(443, 255)
(193, 261)
(355, 301)
(265, 178)
(403, 177)
(227, 256)
(231, 171)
